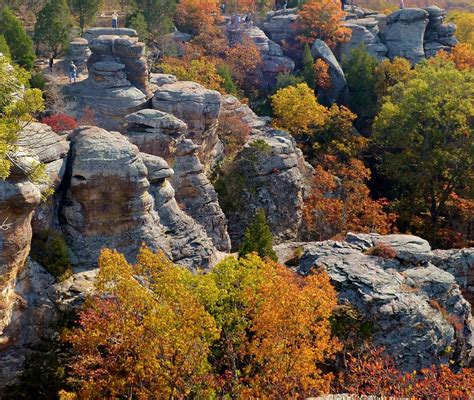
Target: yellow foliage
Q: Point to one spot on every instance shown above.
(297, 110)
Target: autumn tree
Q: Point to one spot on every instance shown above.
(258, 238)
(464, 26)
(53, 26)
(424, 136)
(195, 16)
(19, 43)
(389, 73)
(297, 110)
(462, 55)
(340, 201)
(141, 337)
(321, 19)
(321, 74)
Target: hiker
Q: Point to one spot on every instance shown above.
(72, 72)
(237, 21)
(51, 62)
(248, 20)
(402, 5)
(343, 3)
(222, 6)
(114, 20)
(285, 5)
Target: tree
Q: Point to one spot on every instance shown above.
(339, 201)
(143, 337)
(359, 69)
(228, 84)
(389, 73)
(297, 109)
(321, 19)
(308, 67)
(321, 74)
(85, 11)
(53, 26)
(137, 21)
(19, 43)
(258, 238)
(195, 16)
(462, 55)
(158, 14)
(4, 49)
(464, 26)
(17, 105)
(424, 132)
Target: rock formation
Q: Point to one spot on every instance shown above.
(231, 106)
(118, 80)
(93, 33)
(266, 174)
(198, 197)
(438, 36)
(199, 108)
(155, 132)
(337, 92)
(365, 32)
(417, 310)
(279, 25)
(78, 52)
(106, 203)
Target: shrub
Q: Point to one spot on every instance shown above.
(382, 250)
(285, 79)
(50, 250)
(60, 122)
(37, 80)
(258, 238)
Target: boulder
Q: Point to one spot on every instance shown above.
(155, 132)
(279, 25)
(404, 34)
(416, 309)
(362, 36)
(199, 108)
(78, 52)
(197, 195)
(337, 93)
(92, 215)
(231, 107)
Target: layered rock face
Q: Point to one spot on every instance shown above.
(338, 90)
(416, 308)
(266, 174)
(93, 33)
(194, 191)
(78, 52)
(365, 31)
(279, 25)
(438, 36)
(232, 108)
(155, 132)
(118, 80)
(199, 108)
(106, 203)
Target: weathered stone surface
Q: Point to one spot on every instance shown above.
(279, 25)
(92, 215)
(199, 108)
(338, 90)
(270, 176)
(117, 84)
(362, 36)
(155, 132)
(92, 33)
(78, 52)
(198, 197)
(405, 33)
(417, 310)
(232, 107)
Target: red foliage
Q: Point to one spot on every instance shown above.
(374, 373)
(382, 250)
(60, 122)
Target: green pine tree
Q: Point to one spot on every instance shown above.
(228, 84)
(137, 21)
(258, 238)
(53, 26)
(19, 43)
(4, 49)
(308, 67)
(85, 11)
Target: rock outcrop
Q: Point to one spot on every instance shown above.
(405, 32)
(155, 132)
(279, 25)
(417, 309)
(438, 36)
(78, 52)
(232, 108)
(93, 33)
(337, 92)
(266, 174)
(117, 84)
(106, 203)
(364, 32)
(199, 108)
(196, 194)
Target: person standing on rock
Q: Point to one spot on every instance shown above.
(72, 72)
(114, 20)
(402, 5)
(343, 3)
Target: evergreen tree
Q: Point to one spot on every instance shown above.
(4, 49)
(19, 43)
(308, 66)
(137, 21)
(53, 26)
(85, 11)
(229, 86)
(258, 238)
(158, 14)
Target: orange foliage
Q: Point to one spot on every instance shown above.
(374, 373)
(462, 55)
(195, 16)
(291, 335)
(340, 202)
(321, 74)
(321, 19)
